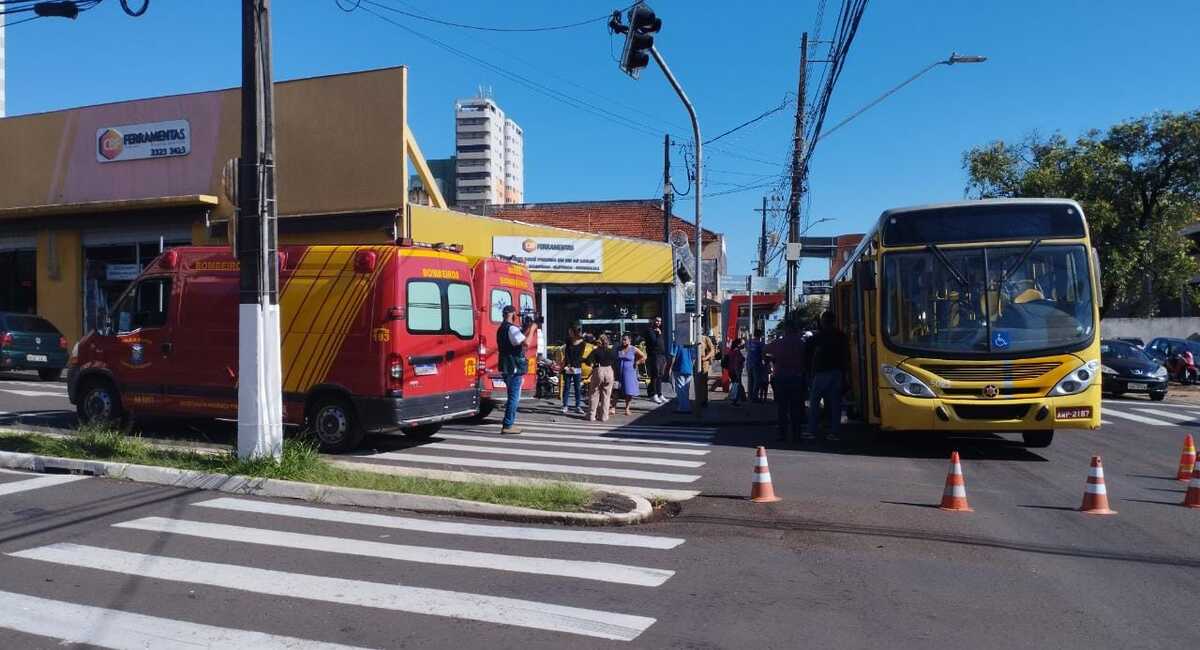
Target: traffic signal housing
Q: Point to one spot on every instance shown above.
(639, 38)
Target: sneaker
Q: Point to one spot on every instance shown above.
(577, 411)
(565, 410)
(510, 431)
(658, 399)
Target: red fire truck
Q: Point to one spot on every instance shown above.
(499, 282)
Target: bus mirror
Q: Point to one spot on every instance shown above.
(865, 274)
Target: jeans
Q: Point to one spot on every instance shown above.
(513, 383)
(789, 402)
(827, 387)
(753, 380)
(655, 367)
(683, 386)
(572, 382)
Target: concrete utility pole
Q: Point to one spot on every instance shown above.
(797, 172)
(668, 191)
(260, 396)
(762, 241)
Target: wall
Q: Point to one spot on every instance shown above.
(626, 261)
(339, 143)
(60, 299)
(1149, 328)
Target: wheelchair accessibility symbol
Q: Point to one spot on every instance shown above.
(1000, 340)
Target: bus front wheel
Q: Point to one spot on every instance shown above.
(1038, 438)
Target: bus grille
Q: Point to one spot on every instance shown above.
(994, 372)
(991, 411)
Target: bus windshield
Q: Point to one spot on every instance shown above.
(988, 300)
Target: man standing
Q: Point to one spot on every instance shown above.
(512, 343)
(786, 356)
(656, 359)
(754, 362)
(828, 362)
(681, 374)
(708, 352)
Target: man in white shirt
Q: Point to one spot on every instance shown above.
(514, 362)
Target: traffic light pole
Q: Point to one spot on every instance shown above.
(698, 378)
(260, 396)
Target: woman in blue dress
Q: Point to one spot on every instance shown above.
(629, 357)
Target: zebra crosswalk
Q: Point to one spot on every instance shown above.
(155, 552)
(655, 461)
(1155, 414)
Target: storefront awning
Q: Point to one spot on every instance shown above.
(125, 205)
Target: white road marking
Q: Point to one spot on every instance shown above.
(651, 493)
(536, 453)
(631, 428)
(543, 467)
(110, 628)
(440, 527)
(31, 393)
(417, 600)
(1135, 418)
(520, 440)
(1169, 415)
(581, 569)
(530, 432)
(1105, 422)
(43, 385)
(38, 482)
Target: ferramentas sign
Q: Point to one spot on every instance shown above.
(553, 254)
(140, 141)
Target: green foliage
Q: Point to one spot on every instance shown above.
(300, 462)
(1138, 183)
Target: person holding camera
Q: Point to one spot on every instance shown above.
(513, 341)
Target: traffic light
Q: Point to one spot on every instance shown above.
(643, 24)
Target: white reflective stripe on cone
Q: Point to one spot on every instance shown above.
(1096, 472)
(761, 461)
(358, 593)
(764, 477)
(955, 491)
(1093, 488)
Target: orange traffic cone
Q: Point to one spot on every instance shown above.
(1192, 498)
(761, 491)
(1187, 459)
(1095, 496)
(954, 497)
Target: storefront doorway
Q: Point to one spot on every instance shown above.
(18, 276)
(113, 260)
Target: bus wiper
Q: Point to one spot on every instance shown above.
(941, 257)
(1020, 260)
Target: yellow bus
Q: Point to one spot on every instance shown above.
(978, 316)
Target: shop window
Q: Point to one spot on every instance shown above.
(461, 314)
(500, 299)
(424, 307)
(146, 306)
(18, 293)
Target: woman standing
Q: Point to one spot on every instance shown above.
(573, 369)
(602, 359)
(630, 358)
(736, 359)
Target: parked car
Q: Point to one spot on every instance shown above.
(29, 342)
(1127, 369)
(1132, 340)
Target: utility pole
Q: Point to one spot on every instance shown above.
(668, 191)
(797, 172)
(260, 396)
(762, 241)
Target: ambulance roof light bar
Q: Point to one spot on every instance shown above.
(408, 242)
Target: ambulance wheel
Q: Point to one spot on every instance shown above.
(99, 403)
(49, 374)
(334, 424)
(1037, 438)
(423, 432)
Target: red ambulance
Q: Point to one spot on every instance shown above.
(374, 338)
(499, 282)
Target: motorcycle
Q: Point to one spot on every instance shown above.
(1182, 368)
(547, 379)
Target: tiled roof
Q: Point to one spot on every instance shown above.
(640, 218)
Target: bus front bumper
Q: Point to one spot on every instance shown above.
(903, 413)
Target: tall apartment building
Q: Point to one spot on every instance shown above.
(2, 82)
(489, 148)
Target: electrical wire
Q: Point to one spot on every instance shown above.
(482, 28)
(750, 121)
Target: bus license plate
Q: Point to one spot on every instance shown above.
(1073, 413)
(425, 369)
(1138, 386)
(36, 357)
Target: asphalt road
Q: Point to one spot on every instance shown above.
(854, 556)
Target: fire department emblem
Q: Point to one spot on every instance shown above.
(990, 391)
(111, 144)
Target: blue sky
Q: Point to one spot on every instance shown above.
(1053, 66)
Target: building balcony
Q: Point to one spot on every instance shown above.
(474, 155)
(473, 182)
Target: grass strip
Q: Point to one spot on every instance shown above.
(300, 462)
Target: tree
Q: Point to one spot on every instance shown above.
(1139, 185)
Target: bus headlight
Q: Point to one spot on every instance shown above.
(1078, 380)
(904, 383)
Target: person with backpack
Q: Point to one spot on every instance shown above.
(512, 342)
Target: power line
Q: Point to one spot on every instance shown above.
(743, 125)
(481, 28)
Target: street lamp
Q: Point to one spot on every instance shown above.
(951, 60)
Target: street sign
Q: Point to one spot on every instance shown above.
(816, 287)
(820, 247)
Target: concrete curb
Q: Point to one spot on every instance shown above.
(328, 494)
